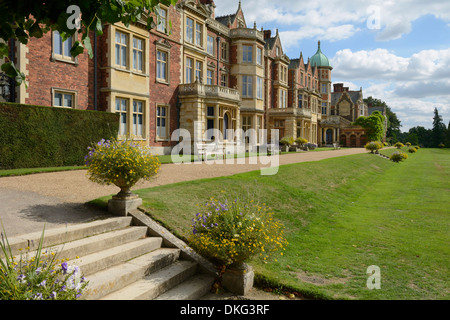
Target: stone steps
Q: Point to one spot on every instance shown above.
(122, 262)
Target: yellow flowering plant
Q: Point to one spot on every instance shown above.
(230, 232)
(122, 163)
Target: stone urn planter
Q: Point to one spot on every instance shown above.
(238, 278)
(124, 201)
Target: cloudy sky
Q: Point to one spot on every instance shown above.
(397, 51)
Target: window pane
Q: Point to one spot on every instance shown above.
(117, 54)
(124, 56)
(58, 99)
(57, 43)
(67, 100)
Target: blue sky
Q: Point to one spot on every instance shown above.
(396, 50)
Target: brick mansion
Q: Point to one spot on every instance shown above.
(194, 70)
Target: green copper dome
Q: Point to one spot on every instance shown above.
(319, 59)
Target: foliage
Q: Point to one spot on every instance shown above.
(373, 146)
(398, 156)
(32, 19)
(412, 150)
(36, 136)
(301, 141)
(311, 146)
(38, 277)
(232, 231)
(408, 144)
(438, 131)
(441, 145)
(120, 162)
(374, 125)
(399, 145)
(287, 141)
(393, 123)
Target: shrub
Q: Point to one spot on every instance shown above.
(231, 232)
(441, 145)
(301, 141)
(373, 146)
(42, 277)
(311, 146)
(408, 144)
(412, 150)
(399, 145)
(37, 136)
(287, 141)
(398, 156)
(122, 163)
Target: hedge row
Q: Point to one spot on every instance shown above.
(37, 136)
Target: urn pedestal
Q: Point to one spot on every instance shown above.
(124, 202)
(238, 279)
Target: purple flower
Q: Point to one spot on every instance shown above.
(64, 267)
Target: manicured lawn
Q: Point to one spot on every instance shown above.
(341, 216)
(25, 171)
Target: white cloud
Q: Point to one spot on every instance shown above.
(395, 17)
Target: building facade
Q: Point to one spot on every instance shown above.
(215, 77)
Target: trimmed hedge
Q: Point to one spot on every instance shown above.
(38, 136)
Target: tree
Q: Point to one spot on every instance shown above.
(374, 125)
(393, 123)
(447, 138)
(22, 20)
(423, 135)
(439, 130)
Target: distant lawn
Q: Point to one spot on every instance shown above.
(25, 171)
(341, 216)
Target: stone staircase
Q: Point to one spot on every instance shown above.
(128, 258)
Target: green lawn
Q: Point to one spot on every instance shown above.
(25, 171)
(341, 216)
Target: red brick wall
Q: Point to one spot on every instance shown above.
(160, 93)
(45, 74)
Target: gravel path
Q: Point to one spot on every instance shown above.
(56, 199)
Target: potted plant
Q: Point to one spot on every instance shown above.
(301, 142)
(122, 163)
(286, 143)
(230, 232)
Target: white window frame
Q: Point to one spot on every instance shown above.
(189, 70)
(63, 55)
(159, 119)
(63, 93)
(247, 53)
(138, 127)
(122, 107)
(259, 56)
(190, 29)
(210, 45)
(121, 49)
(138, 55)
(259, 88)
(210, 77)
(247, 86)
(162, 19)
(164, 64)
